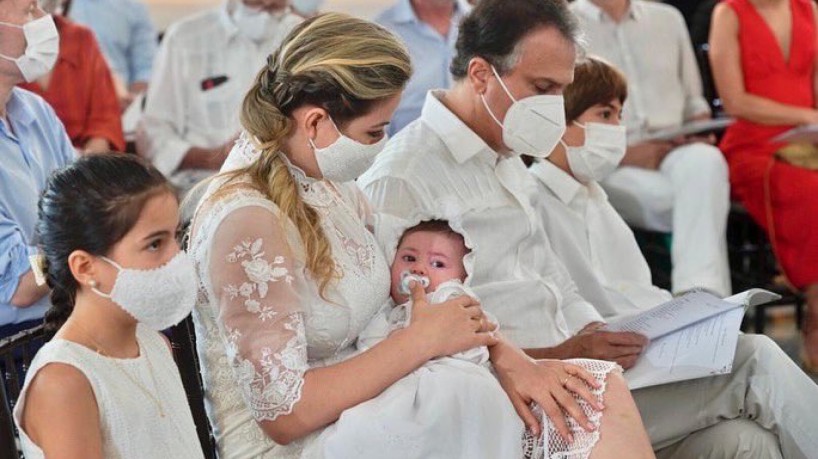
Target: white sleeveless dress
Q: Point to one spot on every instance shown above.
(131, 425)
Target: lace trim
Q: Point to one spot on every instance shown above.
(276, 388)
(549, 444)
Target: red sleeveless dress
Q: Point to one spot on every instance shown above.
(793, 191)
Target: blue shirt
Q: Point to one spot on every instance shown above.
(37, 146)
(125, 33)
(431, 55)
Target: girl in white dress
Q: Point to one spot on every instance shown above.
(290, 273)
(106, 385)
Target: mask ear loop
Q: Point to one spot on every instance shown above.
(340, 134)
(503, 84)
(508, 93)
(562, 142)
(8, 24)
(6, 57)
(118, 268)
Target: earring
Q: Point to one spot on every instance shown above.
(93, 283)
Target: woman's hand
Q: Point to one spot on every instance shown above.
(551, 384)
(449, 327)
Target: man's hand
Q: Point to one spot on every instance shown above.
(623, 348)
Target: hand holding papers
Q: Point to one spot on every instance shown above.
(692, 336)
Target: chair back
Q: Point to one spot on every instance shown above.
(708, 82)
(16, 353)
(183, 341)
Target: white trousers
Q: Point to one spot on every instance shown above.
(688, 196)
(765, 387)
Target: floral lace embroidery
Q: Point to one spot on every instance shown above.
(275, 387)
(260, 273)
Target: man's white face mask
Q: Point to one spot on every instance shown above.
(42, 47)
(306, 7)
(254, 23)
(532, 126)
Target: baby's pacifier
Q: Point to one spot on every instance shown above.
(406, 279)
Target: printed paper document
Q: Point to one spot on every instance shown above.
(692, 336)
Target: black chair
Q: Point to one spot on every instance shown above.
(655, 247)
(708, 83)
(753, 264)
(183, 341)
(16, 353)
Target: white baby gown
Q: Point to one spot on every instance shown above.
(451, 407)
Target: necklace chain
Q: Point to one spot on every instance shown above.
(101, 351)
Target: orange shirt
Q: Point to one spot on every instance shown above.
(81, 88)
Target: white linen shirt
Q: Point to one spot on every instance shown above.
(437, 167)
(652, 47)
(594, 243)
(181, 112)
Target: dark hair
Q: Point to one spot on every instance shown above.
(595, 82)
(494, 28)
(89, 205)
(433, 226)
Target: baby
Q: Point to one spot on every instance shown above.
(430, 253)
(408, 414)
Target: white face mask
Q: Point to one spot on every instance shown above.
(346, 159)
(533, 125)
(42, 47)
(159, 298)
(604, 148)
(306, 7)
(256, 24)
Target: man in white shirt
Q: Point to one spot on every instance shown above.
(604, 260)
(678, 186)
(204, 67)
(456, 162)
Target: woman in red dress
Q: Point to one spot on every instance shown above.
(763, 55)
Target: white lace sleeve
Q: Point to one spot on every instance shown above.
(256, 281)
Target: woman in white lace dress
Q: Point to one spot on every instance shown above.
(290, 274)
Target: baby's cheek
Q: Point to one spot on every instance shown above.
(438, 277)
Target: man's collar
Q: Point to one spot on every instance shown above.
(226, 19)
(18, 110)
(589, 8)
(403, 12)
(460, 140)
(561, 183)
